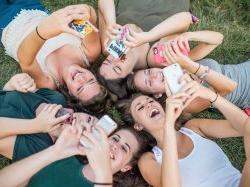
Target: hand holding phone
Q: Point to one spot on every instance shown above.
(64, 111)
(172, 75)
(116, 47)
(106, 123)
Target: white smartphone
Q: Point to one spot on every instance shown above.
(107, 124)
(172, 75)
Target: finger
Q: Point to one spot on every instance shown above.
(185, 78)
(51, 107)
(180, 43)
(129, 38)
(129, 44)
(102, 132)
(55, 127)
(32, 88)
(176, 48)
(187, 86)
(180, 95)
(90, 136)
(86, 142)
(55, 109)
(62, 118)
(186, 45)
(167, 53)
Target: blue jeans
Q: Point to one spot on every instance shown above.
(10, 8)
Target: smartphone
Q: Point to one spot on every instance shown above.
(172, 75)
(106, 123)
(83, 26)
(64, 111)
(116, 47)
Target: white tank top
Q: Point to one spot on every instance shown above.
(206, 166)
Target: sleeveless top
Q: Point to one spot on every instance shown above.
(206, 166)
(240, 73)
(23, 24)
(148, 13)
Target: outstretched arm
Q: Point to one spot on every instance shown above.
(177, 23)
(67, 145)
(44, 122)
(107, 9)
(50, 26)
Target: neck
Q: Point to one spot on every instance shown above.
(142, 52)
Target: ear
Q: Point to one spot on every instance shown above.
(126, 168)
(157, 95)
(138, 127)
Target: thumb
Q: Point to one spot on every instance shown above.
(62, 118)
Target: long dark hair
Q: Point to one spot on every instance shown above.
(133, 178)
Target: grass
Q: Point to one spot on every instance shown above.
(230, 17)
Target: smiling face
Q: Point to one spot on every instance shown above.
(148, 113)
(115, 68)
(81, 83)
(123, 145)
(150, 81)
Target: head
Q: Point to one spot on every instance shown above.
(82, 90)
(126, 147)
(81, 83)
(143, 112)
(150, 81)
(112, 69)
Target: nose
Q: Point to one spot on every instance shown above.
(154, 75)
(80, 79)
(114, 147)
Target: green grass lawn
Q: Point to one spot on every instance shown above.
(230, 17)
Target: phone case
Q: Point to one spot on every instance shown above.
(172, 75)
(116, 47)
(247, 111)
(82, 26)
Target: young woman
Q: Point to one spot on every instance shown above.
(55, 55)
(201, 161)
(222, 78)
(156, 57)
(119, 153)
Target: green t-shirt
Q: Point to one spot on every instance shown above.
(67, 172)
(148, 13)
(23, 105)
(63, 173)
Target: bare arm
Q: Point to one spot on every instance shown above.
(66, 146)
(107, 9)
(245, 178)
(44, 122)
(49, 27)
(208, 41)
(232, 127)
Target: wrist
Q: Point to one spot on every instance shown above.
(53, 154)
(8, 86)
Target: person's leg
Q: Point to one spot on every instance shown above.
(7, 146)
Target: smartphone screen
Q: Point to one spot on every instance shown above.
(64, 111)
(172, 75)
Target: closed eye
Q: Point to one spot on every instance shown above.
(117, 69)
(140, 108)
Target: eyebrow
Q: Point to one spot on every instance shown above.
(114, 68)
(90, 81)
(124, 143)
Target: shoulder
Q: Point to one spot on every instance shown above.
(145, 159)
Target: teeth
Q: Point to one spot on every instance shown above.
(153, 111)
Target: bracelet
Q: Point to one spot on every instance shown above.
(103, 183)
(197, 69)
(39, 34)
(217, 95)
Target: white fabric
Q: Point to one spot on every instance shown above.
(23, 24)
(206, 166)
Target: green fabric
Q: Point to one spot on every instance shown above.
(63, 173)
(148, 13)
(23, 105)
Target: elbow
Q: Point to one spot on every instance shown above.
(229, 89)
(220, 38)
